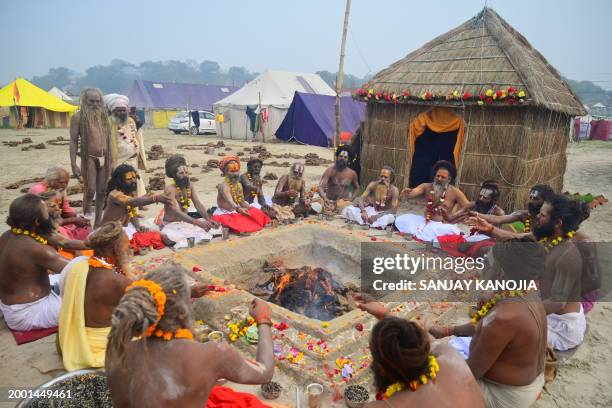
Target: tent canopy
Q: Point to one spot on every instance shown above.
(311, 118)
(55, 91)
(276, 88)
(172, 95)
(31, 95)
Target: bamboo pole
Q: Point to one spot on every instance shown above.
(340, 76)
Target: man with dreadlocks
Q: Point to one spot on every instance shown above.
(185, 216)
(152, 359)
(336, 181)
(442, 197)
(90, 128)
(378, 203)
(92, 290)
(252, 185)
(122, 202)
(130, 144)
(26, 299)
(410, 371)
(289, 196)
(233, 211)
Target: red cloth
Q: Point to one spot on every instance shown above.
(145, 240)
(224, 397)
(256, 220)
(22, 337)
(450, 244)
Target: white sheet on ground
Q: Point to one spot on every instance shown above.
(415, 225)
(179, 231)
(353, 213)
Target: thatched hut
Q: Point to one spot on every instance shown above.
(479, 95)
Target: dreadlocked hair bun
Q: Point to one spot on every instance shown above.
(137, 310)
(401, 347)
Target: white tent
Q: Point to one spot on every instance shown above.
(55, 91)
(274, 90)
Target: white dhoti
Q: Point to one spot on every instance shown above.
(130, 230)
(42, 313)
(510, 396)
(353, 213)
(179, 231)
(415, 225)
(566, 331)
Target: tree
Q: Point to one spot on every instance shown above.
(60, 77)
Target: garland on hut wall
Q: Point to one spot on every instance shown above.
(508, 95)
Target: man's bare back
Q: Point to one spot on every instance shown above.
(103, 291)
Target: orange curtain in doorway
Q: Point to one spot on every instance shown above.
(437, 120)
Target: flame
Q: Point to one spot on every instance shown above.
(281, 283)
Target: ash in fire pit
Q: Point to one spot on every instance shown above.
(307, 290)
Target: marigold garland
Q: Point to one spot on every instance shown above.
(250, 177)
(185, 201)
(430, 207)
(236, 189)
(486, 308)
(19, 231)
(509, 95)
(95, 262)
(432, 371)
(178, 334)
(527, 224)
(131, 211)
(158, 295)
(556, 241)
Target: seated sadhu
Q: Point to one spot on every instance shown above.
(184, 216)
(64, 245)
(233, 211)
(122, 203)
(92, 290)
(252, 185)
(289, 195)
(26, 299)
(336, 184)
(411, 371)
(152, 359)
(378, 203)
(71, 225)
(442, 197)
(507, 351)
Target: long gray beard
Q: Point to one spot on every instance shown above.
(440, 188)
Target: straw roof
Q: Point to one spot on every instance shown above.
(483, 53)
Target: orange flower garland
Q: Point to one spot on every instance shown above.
(98, 263)
(160, 299)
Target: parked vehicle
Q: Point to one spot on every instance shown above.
(180, 123)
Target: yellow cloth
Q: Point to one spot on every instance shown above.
(82, 347)
(437, 120)
(31, 95)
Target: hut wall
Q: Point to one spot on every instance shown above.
(518, 147)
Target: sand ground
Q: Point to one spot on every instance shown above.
(583, 379)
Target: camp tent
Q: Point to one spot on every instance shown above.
(158, 102)
(55, 91)
(37, 107)
(311, 118)
(480, 96)
(273, 91)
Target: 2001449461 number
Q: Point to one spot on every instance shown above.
(39, 393)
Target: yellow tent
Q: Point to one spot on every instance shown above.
(31, 95)
(38, 108)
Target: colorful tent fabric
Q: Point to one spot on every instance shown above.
(311, 118)
(172, 95)
(601, 129)
(23, 93)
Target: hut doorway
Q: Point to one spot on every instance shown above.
(429, 148)
(434, 135)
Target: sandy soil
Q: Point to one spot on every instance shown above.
(583, 378)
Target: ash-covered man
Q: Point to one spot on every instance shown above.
(378, 203)
(130, 144)
(442, 197)
(90, 129)
(289, 196)
(252, 185)
(336, 181)
(185, 216)
(233, 211)
(122, 202)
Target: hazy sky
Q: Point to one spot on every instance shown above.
(298, 35)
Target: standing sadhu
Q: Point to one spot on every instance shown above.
(233, 211)
(91, 129)
(130, 144)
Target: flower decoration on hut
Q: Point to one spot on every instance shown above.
(509, 95)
